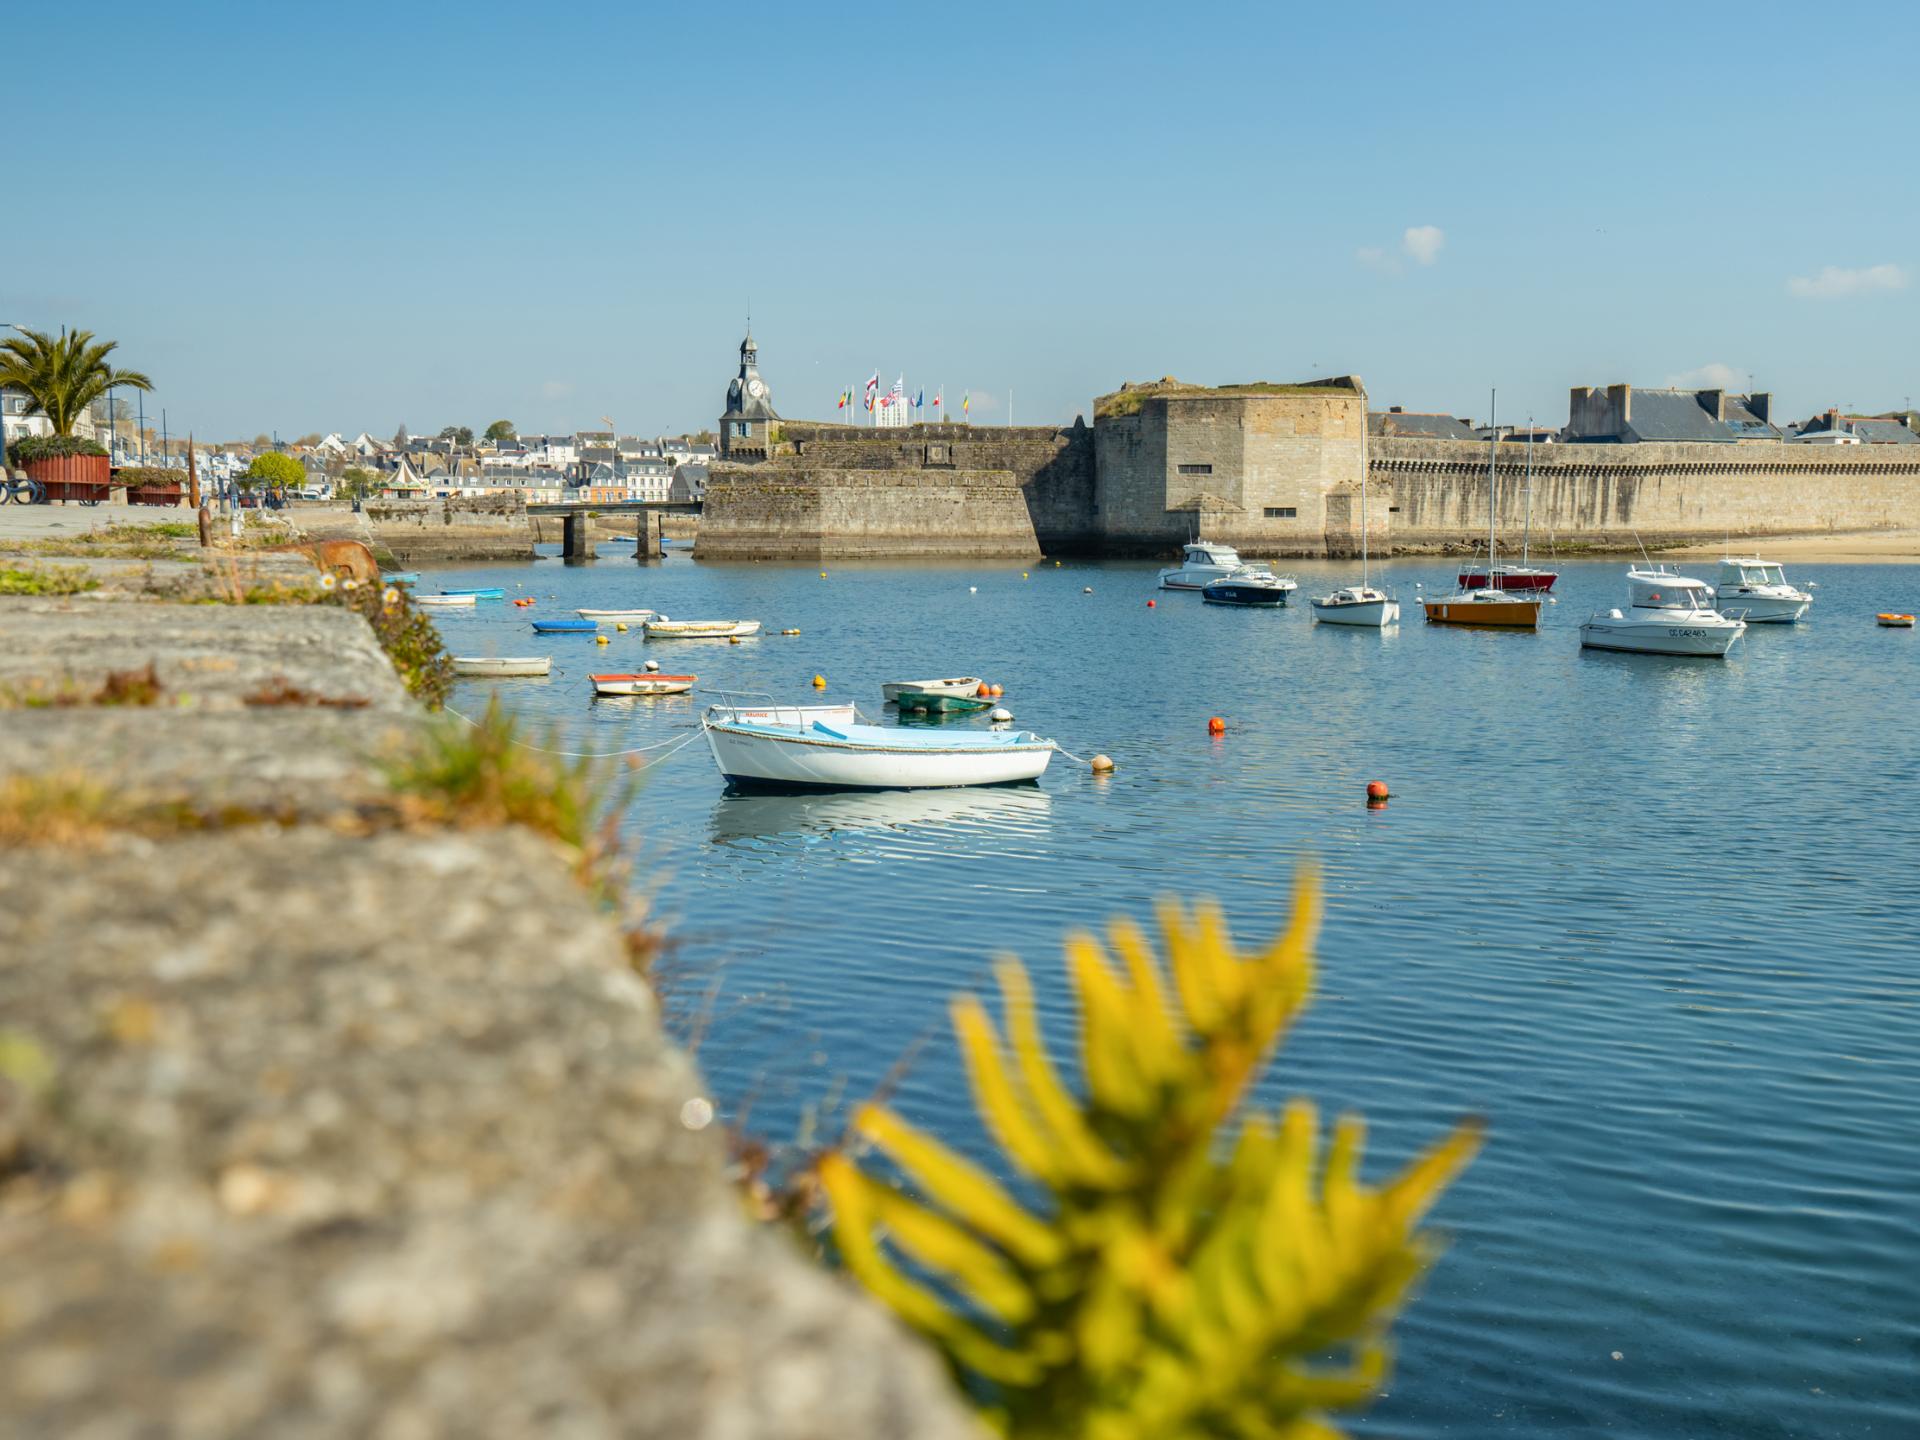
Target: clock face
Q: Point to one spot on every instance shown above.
(756, 388)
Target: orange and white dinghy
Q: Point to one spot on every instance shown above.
(1895, 620)
(648, 683)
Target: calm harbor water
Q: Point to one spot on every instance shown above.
(1658, 920)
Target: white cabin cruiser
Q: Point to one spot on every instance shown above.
(1666, 614)
(1757, 591)
(1201, 562)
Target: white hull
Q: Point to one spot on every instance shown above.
(700, 629)
(485, 665)
(1194, 577)
(784, 714)
(1374, 613)
(1765, 609)
(649, 686)
(628, 615)
(960, 685)
(1684, 636)
(447, 602)
(798, 759)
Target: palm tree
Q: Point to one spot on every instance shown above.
(63, 375)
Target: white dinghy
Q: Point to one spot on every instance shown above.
(845, 756)
(502, 666)
(608, 617)
(957, 685)
(665, 629)
(448, 602)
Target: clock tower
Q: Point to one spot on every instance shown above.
(745, 430)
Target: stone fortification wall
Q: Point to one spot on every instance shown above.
(462, 527)
(796, 512)
(1602, 496)
(1053, 466)
(1253, 470)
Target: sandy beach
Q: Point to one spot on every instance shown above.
(1881, 547)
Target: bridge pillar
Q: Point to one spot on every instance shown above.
(576, 536)
(646, 537)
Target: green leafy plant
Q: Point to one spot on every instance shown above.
(407, 635)
(273, 468)
(144, 476)
(63, 375)
(51, 447)
(52, 580)
(1177, 1280)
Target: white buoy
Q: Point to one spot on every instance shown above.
(1086, 589)
(653, 665)
(973, 589)
(1001, 714)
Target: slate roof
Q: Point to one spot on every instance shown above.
(1674, 415)
(1424, 427)
(1882, 432)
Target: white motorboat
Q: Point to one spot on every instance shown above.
(445, 601)
(1757, 592)
(1358, 604)
(665, 629)
(1201, 562)
(847, 756)
(645, 683)
(1666, 614)
(608, 617)
(502, 666)
(957, 685)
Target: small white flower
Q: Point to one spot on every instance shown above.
(327, 582)
(349, 584)
(391, 597)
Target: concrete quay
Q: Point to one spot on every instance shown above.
(318, 1118)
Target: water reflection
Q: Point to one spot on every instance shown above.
(737, 818)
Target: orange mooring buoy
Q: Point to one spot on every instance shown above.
(984, 691)
(1216, 726)
(996, 690)
(1377, 791)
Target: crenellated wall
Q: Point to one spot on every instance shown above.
(1603, 496)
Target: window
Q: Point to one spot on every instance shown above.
(740, 429)
(1280, 512)
(1196, 469)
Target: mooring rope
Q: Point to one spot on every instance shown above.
(591, 754)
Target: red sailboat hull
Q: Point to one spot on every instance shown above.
(1539, 581)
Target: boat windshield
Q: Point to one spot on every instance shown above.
(1682, 596)
(1763, 575)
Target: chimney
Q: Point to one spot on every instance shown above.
(1620, 407)
(1396, 409)
(1760, 405)
(1714, 402)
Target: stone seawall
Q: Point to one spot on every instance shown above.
(795, 512)
(1603, 496)
(1053, 466)
(465, 527)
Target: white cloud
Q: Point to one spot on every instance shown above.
(1835, 282)
(556, 389)
(1376, 259)
(1711, 376)
(1423, 243)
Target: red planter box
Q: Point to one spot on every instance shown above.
(73, 477)
(153, 494)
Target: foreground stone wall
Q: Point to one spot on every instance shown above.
(792, 511)
(1603, 496)
(1054, 467)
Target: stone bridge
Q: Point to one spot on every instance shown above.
(576, 518)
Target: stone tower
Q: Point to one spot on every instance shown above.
(745, 430)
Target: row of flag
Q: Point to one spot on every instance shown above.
(870, 397)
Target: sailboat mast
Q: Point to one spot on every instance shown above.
(1493, 445)
(1363, 530)
(1526, 535)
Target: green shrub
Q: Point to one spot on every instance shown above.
(135, 476)
(1180, 1280)
(273, 468)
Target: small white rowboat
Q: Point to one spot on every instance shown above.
(446, 601)
(643, 684)
(822, 756)
(489, 665)
(958, 685)
(606, 617)
(664, 629)
(785, 714)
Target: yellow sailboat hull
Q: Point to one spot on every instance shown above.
(1515, 614)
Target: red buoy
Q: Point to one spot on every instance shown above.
(1377, 790)
(1216, 726)
(1149, 604)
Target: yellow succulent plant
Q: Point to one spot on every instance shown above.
(1178, 1280)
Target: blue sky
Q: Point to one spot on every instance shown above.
(355, 216)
